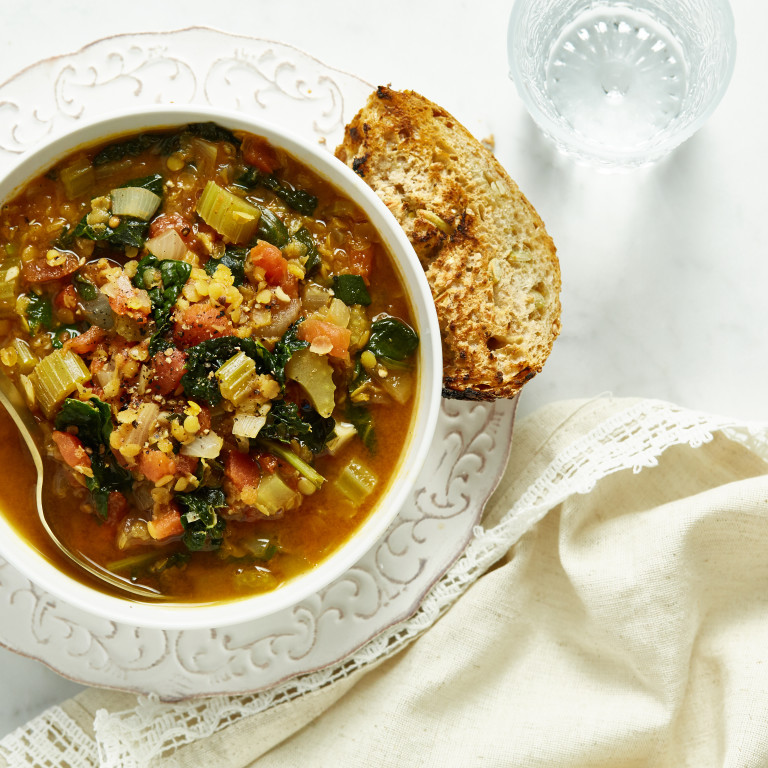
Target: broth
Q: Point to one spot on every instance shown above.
(220, 352)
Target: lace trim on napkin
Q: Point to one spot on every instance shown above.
(631, 439)
(51, 740)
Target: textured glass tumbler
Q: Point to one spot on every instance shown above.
(620, 84)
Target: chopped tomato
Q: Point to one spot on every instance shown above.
(125, 299)
(187, 232)
(87, 341)
(165, 522)
(204, 418)
(172, 221)
(242, 470)
(71, 449)
(117, 505)
(41, 271)
(317, 331)
(167, 369)
(200, 322)
(185, 465)
(270, 259)
(66, 298)
(257, 152)
(361, 263)
(155, 465)
(267, 462)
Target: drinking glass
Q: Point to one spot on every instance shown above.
(620, 84)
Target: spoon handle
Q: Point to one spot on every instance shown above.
(12, 401)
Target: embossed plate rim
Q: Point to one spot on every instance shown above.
(202, 684)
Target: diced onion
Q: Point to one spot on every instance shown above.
(99, 312)
(146, 417)
(344, 433)
(398, 385)
(314, 297)
(134, 201)
(247, 425)
(167, 245)
(315, 375)
(204, 446)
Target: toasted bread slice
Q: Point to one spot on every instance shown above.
(490, 263)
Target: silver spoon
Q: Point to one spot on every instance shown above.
(29, 428)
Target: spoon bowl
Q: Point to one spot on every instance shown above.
(30, 431)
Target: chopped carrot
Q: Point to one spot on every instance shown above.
(200, 322)
(242, 470)
(66, 298)
(185, 465)
(167, 369)
(165, 522)
(270, 259)
(155, 465)
(316, 331)
(71, 449)
(259, 153)
(87, 341)
(361, 263)
(125, 299)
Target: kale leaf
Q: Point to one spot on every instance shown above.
(205, 358)
(163, 280)
(392, 339)
(130, 232)
(129, 148)
(272, 229)
(287, 421)
(234, 258)
(212, 132)
(161, 143)
(298, 199)
(360, 418)
(94, 427)
(312, 259)
(154, 183)
(203, 527)
(39, 312)
(351, 289)
(64, 333)
(284, 349)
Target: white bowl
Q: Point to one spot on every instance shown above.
(20, 553)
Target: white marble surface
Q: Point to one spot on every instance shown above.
(664, 269)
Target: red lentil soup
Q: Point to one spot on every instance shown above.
(220, 353)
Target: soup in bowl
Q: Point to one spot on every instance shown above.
(233, 355)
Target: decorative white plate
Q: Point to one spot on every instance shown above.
(465, 463)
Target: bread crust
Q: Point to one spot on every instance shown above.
(491, 266)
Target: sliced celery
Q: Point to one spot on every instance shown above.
(137, 202)
(274, 496)
(78, 178)
(55, 377)
(27, 359)
(230, 215)
(356, 481)
(236, 378)
(9, 278)
(298, 464)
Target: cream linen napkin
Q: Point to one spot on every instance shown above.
(627, 627)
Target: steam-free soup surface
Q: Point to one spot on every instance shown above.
(221, 355)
